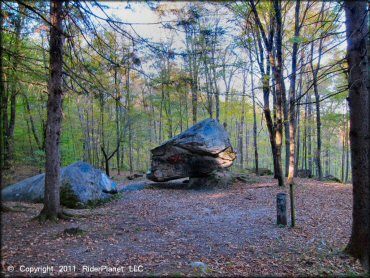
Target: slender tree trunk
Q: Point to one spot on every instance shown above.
(14, 86)
(254, 114)
(160, 132)
(52, 207)
(343, 148)
(169, 110)
(118, 118)
(286, 130)
(347, 146)
(242, 123)
(102, 126)
(318, 129)
(315, 71)
(309, 133)
(277, 71)
(107, 158)
(299, 120)
(2, 96)
(266, 95)
(292, 95)
(304, 147)
(129, 118)
(327, 161)
(214, 79)
(357, 56)
(194, 97)
(33, 128)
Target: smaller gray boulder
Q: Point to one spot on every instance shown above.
(81, 185)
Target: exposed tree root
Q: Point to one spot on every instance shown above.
(45, 216)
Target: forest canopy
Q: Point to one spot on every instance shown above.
(130, 85)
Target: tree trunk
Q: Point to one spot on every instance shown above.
(107, 158)
(343, 148)
(266, 89)
(347, 146)
(292, 112)
(129, 118)
(304, 143)
(118, 118)
(357, 56)
(33, 128)
(194, 97)
(14, 86)
(299, 120)
(277, 69)
(315, 71)
(52, 207)
(242, 123)
(318, 129)
(309, 133)
(254, 116)
(2, 94)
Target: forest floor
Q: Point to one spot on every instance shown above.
(163, 231)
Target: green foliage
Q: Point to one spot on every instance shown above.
(157, 104)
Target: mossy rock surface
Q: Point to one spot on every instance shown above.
(82, 186)
(68, 197)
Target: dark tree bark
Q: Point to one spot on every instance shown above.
(52, 208)
(118, 119)
(299, 120)
(278, 73)
(254, 114)
(107, 158)
(357, 56)
(2, 94)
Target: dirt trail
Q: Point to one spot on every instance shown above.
(233, 231)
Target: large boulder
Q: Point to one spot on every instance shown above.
(81, 185)
(197, 152)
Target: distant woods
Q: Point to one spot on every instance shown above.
(272, 72)
(78, 83)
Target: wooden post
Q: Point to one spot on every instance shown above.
(281, 209)
(292, 208)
